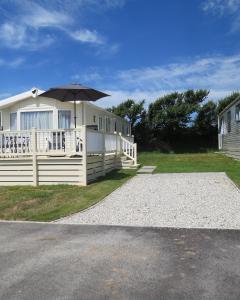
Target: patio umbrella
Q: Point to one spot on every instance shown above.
(73, 92)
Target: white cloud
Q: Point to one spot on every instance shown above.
(222, 6)
(14, 63)
(218, 74)
(118, 96)
(26, 29)
(4, 95)
(225, 8)
(36, 16)
(19, 36)
(87, 36)
(91, 77)
(13, 36)
(76, 5)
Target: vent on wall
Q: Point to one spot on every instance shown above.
(34, 92)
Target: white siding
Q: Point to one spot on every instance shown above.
(87, 114)
(231, 140)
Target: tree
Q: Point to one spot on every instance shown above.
(223, 103)
(174, 111)
(130, 110)
(207, 117)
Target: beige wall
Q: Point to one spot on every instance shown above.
(87, 114)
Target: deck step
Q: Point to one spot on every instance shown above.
(128, 164)
(232, 153)
(146, 170)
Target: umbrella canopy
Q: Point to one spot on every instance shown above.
(73, 92)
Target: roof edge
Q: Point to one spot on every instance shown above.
(229, 105)
(34, 92)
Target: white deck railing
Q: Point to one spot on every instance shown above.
(64, 142)
(15, 142)
(40, 142)
(99, 142)
(129, 149)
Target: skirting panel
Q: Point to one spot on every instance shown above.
(48, 171)
(99, 165)
(53, 170)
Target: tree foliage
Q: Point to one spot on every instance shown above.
(186, 120)
(130, 110)
(223, 103)
(207, 116)
(175, 110)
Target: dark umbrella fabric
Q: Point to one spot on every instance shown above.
(73, 92)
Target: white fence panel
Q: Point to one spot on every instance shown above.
(73, 141)
(94, 141)
(129, 138)
(110, 142)
(59, 141)
(15, 143)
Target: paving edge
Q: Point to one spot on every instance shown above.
(121, 226)
(95, 204)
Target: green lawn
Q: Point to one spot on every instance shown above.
(200, 162)
(47, 203)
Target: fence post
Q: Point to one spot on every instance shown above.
(34, 157)
(84, 154)
(135, 154)
(116, 150)
(103, 154)
(120, 146)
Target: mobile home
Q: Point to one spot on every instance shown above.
(39, 144)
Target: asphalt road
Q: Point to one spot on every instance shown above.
(56, 261)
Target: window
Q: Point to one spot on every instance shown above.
(1, 121)
(64, 119)
(115, 125)
(229, 120)
(37, 119)
(13, 121)
(237, 113)
(123, 132)
(221, 126)
(108, 124)
(100, 123)
(128, 129)
(94, 119)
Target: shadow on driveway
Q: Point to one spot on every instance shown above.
(53, 261)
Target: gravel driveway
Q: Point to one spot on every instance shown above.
(191, 200)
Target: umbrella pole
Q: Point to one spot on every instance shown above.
(75, 114)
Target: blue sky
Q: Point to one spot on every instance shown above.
(129, 48)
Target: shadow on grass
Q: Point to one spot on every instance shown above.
(115, 175)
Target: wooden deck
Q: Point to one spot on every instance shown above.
(61, 156)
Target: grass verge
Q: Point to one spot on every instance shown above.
(197, 162)
(48, 203)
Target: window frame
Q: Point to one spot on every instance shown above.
(36, 111)
(108, 124)
(229, 121)
(68, 110)
(13, 113)
(1, 120)
(237, 112)
(100, 123)
(221, 125)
